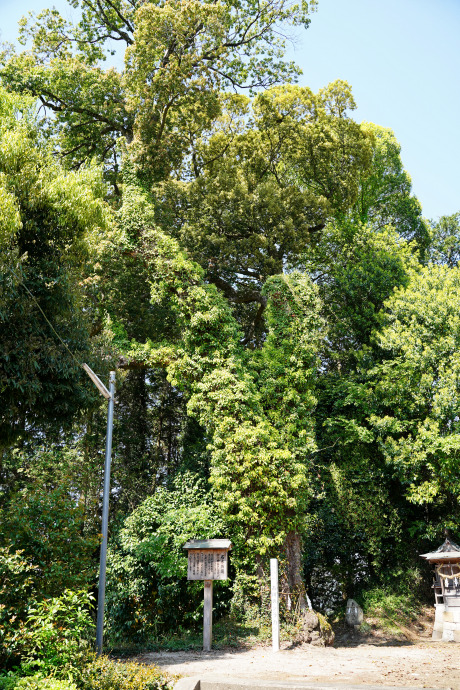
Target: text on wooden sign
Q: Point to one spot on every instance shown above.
(207, 564)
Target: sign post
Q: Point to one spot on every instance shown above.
(207, 616)
(208, 561)
(275, 602)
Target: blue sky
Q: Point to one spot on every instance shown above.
(402, 59)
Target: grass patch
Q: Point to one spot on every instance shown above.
(227, 632)
(392, 612)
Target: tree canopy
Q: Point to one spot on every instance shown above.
(179, 56)
(255, 266)
(50, 219)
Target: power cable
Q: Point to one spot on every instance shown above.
(80, 364)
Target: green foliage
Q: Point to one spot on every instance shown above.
(8, 682)
(393, 606)
(179, 57)
(106, 674)
(255, 200)
(47, 538)
(258, 479)
(416, 386)
(357, 270)
(17, 590)
(51, 218)
(98, 674)
(255, 474)
(385, 196)
(43, 520)
(57, 636)
(327, 634)
(257, 281)
(356, 515)
(445, 241)
(147, 590)
(35, 682)
(153, 437)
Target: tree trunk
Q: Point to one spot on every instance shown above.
(293, 549)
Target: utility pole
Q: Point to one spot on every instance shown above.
(110, 395)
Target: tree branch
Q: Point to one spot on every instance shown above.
(125, 363)
(60, 105)
(234, 296)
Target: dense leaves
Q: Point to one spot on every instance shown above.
(258, 475)
(444, 247)
(179, 56)
(50, 218)
(286, 368)
(416, 387)
(148, 591)
(385, 196)
(264, 185)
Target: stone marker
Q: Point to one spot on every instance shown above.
(354, 614)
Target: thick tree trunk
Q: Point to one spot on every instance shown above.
(293, 548)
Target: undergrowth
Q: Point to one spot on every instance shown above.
(390, 610)
(229, 631)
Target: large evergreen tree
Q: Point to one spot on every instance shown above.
(49, 219)
(241, 276)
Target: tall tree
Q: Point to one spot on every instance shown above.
(48, 216)
(356, 511)
(264, 185)
(385, 191)
(445, 240)
(179, 56)
(416, 389)
(258, 463)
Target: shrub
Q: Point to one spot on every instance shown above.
(47, 526)
(391, 608)
(57, 636)
(147, 589)
(105, 674)
(9, 681)
(39, 683)
(16, 591)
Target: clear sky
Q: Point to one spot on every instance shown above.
(402, 59)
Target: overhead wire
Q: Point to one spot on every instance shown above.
(80, 364)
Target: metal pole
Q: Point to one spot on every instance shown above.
(207, 616)
(275, 601)
(105, 518)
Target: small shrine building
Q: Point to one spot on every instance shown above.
(446, 585)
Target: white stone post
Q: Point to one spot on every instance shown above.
(275, 604)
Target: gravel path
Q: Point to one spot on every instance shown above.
(422, 664)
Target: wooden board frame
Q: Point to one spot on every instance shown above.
(207, 564)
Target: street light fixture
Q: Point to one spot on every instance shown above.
(110, 395)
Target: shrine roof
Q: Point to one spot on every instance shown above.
(447, 551)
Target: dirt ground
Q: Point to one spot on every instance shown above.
(421, 663)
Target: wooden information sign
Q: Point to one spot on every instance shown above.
(208, 561)
(207, 564)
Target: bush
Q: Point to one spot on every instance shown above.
(98, 674)
(47, 526)
(58, 635)
(39, 683)
(8, 682)
(105, 674)
(147, 590)
(391, 608)
(16, 592)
